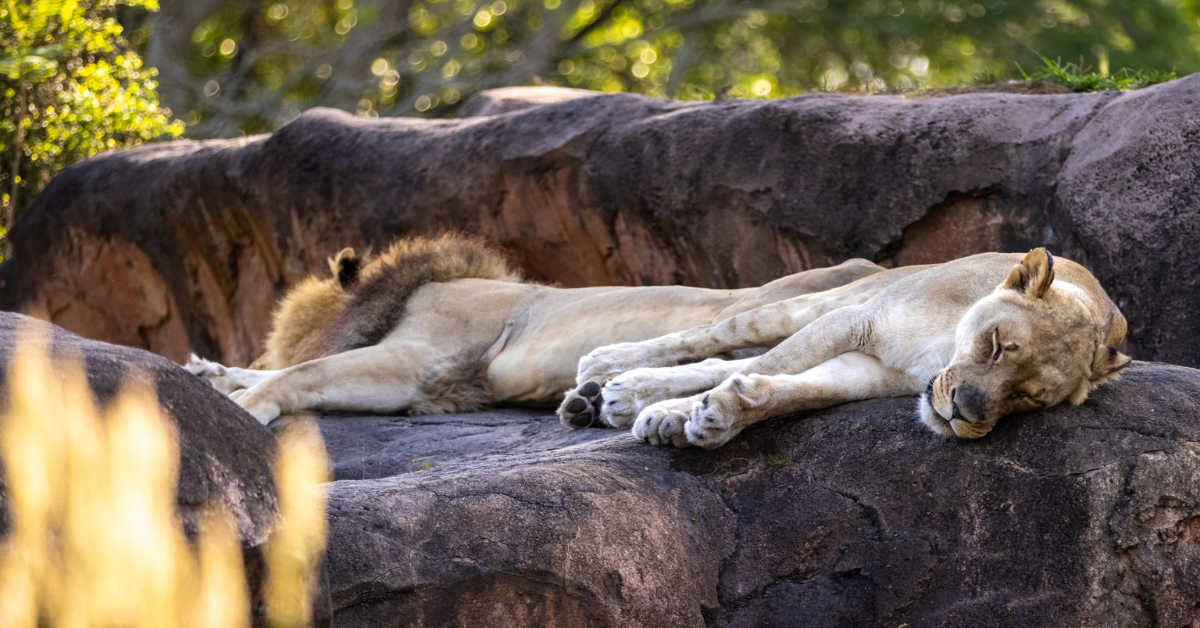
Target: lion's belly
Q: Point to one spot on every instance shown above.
(522, 376)
(556, 328)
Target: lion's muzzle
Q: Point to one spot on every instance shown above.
(941, 396)
(964, 407)
(968, 403)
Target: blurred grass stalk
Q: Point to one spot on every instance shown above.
(94, 540)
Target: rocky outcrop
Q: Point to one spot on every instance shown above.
(187, 245)
(224, 454)
(853, 516)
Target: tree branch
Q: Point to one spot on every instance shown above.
(596, 23)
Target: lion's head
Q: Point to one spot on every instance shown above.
(1030, 344)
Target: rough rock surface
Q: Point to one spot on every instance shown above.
(187, 245)
(368, 447)
(853, 516)
(225, 455)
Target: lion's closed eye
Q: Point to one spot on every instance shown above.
(1028, 399)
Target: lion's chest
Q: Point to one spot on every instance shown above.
(918, 346)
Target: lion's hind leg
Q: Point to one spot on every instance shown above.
(713, 418)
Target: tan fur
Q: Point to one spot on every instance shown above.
(318, 317)
(300, 321)
(375, 304)
(1028, 345)
(978, 338)
(443, 325)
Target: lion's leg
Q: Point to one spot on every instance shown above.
(630, 392)
(839, 332)
(844, 329)
(711, 419)
(382, 378)
(225, 379)
(764, 326)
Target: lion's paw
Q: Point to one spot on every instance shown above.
(716, 419)
(264, 411)
(581, 407)
(624, 397)
(607, 362)
(663, 423)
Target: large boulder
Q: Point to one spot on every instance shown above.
(852, 516)
(224, 454)
(187, 245)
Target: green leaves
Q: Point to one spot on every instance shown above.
(70, 87)
(423, 57)
(33, 67)
(1079, 78)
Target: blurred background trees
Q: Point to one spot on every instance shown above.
(70, 86)
(73, 80)
(246, 66)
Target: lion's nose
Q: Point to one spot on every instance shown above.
(969, 403)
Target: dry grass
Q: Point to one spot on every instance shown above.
(94, 539)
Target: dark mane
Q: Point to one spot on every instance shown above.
(380, 289)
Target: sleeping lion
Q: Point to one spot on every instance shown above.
(443, 325)
(977, 339)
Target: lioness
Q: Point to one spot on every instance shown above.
(977, 339)
(443, 325)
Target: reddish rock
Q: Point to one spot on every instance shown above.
(186, 246)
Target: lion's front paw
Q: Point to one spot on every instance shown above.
(708, 426)
(263, 410)
(623, 398)
(607, 362)
(721, 413)
(663, 423)
(581, 407)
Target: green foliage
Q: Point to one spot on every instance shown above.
(251, 66)
(779, 460)
(69, 88)
(1078, 78)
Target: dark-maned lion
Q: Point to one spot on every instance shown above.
(443, 325)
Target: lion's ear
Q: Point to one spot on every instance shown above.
(1108, 364)
(345, 266)
(1033, 275)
